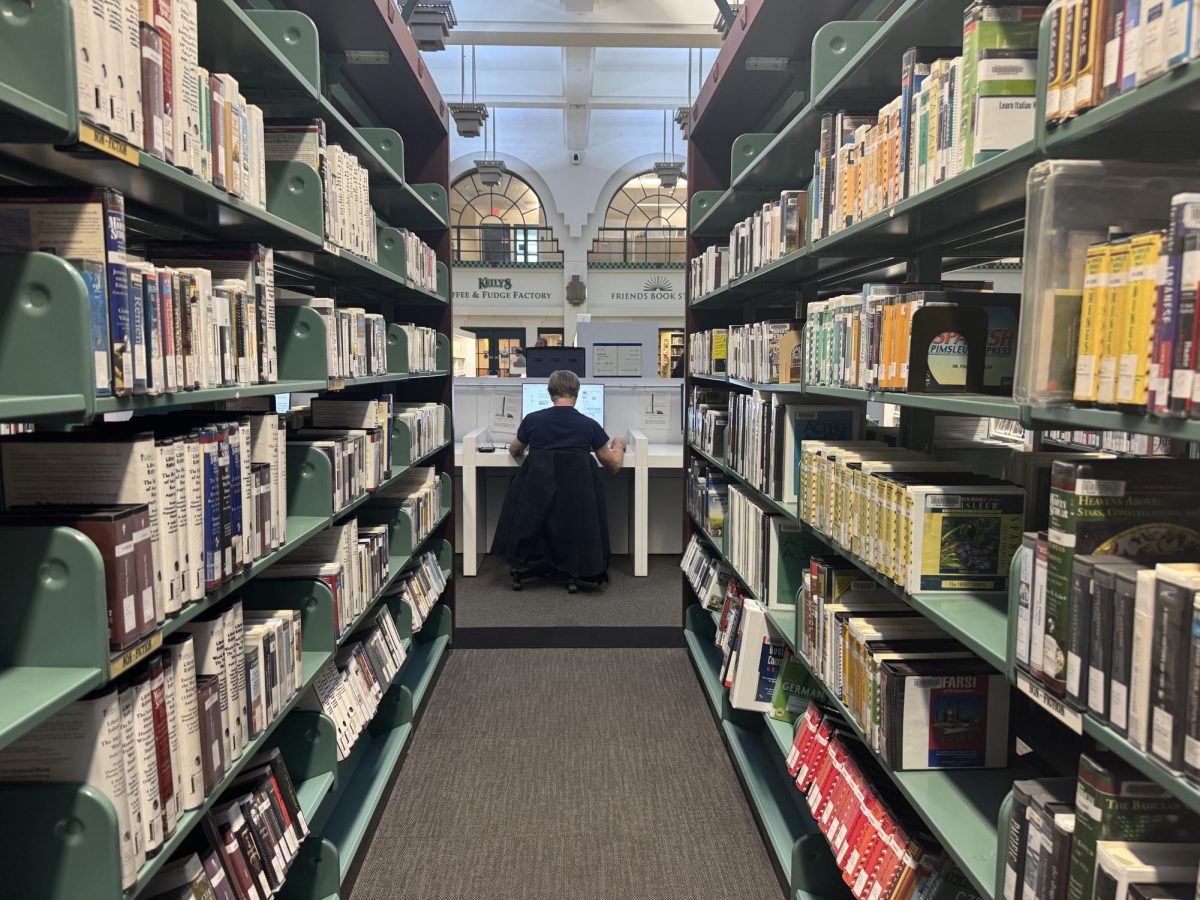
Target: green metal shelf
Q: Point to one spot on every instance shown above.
(183, 399)
(772, 792)
(1179, 787)
(709, 666)
(987, 405)
(31, 694)
(783, 733)
(786, 272)
(719, 546)
(784, 621)
(312, 792)
(424, 656)
(1065, 417)
(768, 388)
(38, 99)
(715, 379)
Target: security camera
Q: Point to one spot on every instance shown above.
(576, 157)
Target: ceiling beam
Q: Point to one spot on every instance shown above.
(582, 34)
(579, 6)
(543, 101)
(579, 64)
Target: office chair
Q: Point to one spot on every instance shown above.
(554, 522)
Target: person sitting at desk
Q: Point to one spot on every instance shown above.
(554, 522)
(563, 427)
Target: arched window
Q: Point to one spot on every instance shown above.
(645, 224)
(496, 225)
(642, 203)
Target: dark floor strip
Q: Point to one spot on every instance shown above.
(568, 636)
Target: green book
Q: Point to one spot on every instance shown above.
(1116, 803)
(1147, 510)
(794, 688)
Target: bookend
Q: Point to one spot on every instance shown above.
(443, 346)
(435, 196)
(38, 99)
(310, 596)
(55, 575)
(395, 709)
(834, 45)
(301, 344)
(397, 346)
(391, 251)
(294, 36)
(971, 322)
(1014, 604)
(314, 873)
(296, 195)
(815, 874)
(1002, 831)
(44, 303)
(400, 529)
(66, 837)
(445, 556)
(745, 150)
(702, 202)
(310, 482)
(401, 614)
(389, 145)
(308, 744)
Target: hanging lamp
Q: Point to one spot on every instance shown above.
(468, 117)
(490, 171)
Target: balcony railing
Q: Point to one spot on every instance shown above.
(522, 246)
(627, 248)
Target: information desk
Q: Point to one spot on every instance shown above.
(640, 457)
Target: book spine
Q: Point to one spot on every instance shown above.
(1169, 672)
(1114, 40)
(147, 765)
(212, 753)
(1191, 740)
(1082, 594)
(1015, 845)
(1178, 323)
(162, 745)
(1132, 48)
(182, 664)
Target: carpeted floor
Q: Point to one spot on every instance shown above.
(488, 600)
(590, 774)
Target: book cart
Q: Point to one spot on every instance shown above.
(295, 58)
(742, 152)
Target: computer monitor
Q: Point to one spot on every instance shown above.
(542, 361)
(590, 402)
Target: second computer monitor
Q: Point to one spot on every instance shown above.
(590, 402)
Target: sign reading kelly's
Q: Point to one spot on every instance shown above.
(505, 291)
(635, 292)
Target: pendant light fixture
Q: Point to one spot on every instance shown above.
(669, 170)
(490, 170)
(468, 117)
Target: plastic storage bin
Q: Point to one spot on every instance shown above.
(1070, 205)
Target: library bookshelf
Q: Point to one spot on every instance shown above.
(289, 57)
(848, 56)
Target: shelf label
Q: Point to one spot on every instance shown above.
(127, 659)
(107, 143)
(1069, 716)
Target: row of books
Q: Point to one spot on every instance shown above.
(925, 524)
(350, 222)
(708, 352)
(706, 572)
(758, 543)
(1145, 510)
(351, 559)
(767, 431)
(348, 689)
(357, 458)
(920, 698)
(185, 316)
(1109, 832)
(426, 423)
(1123, 443)
(707, 494)
(708, 420)
(422, 348)
(879, 844)
(418, 494)
(159, 740)
(1138, 328)
(957, 108)
(420, 262)
(867, 340)
(770, 233)
(765, 352)
(420, 587)
(355, 340)
(1101, 49)
(174, 513)
(248, 842)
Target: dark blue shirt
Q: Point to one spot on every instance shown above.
(561, 428)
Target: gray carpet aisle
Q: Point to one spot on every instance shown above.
(488, 600)
(590, 774)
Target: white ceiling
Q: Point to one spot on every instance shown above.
(577, 56)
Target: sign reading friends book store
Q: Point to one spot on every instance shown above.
(636, 292)
(507, 291)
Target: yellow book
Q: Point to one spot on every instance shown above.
(1091, 325)
(1137, 333)
(1112, 336)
